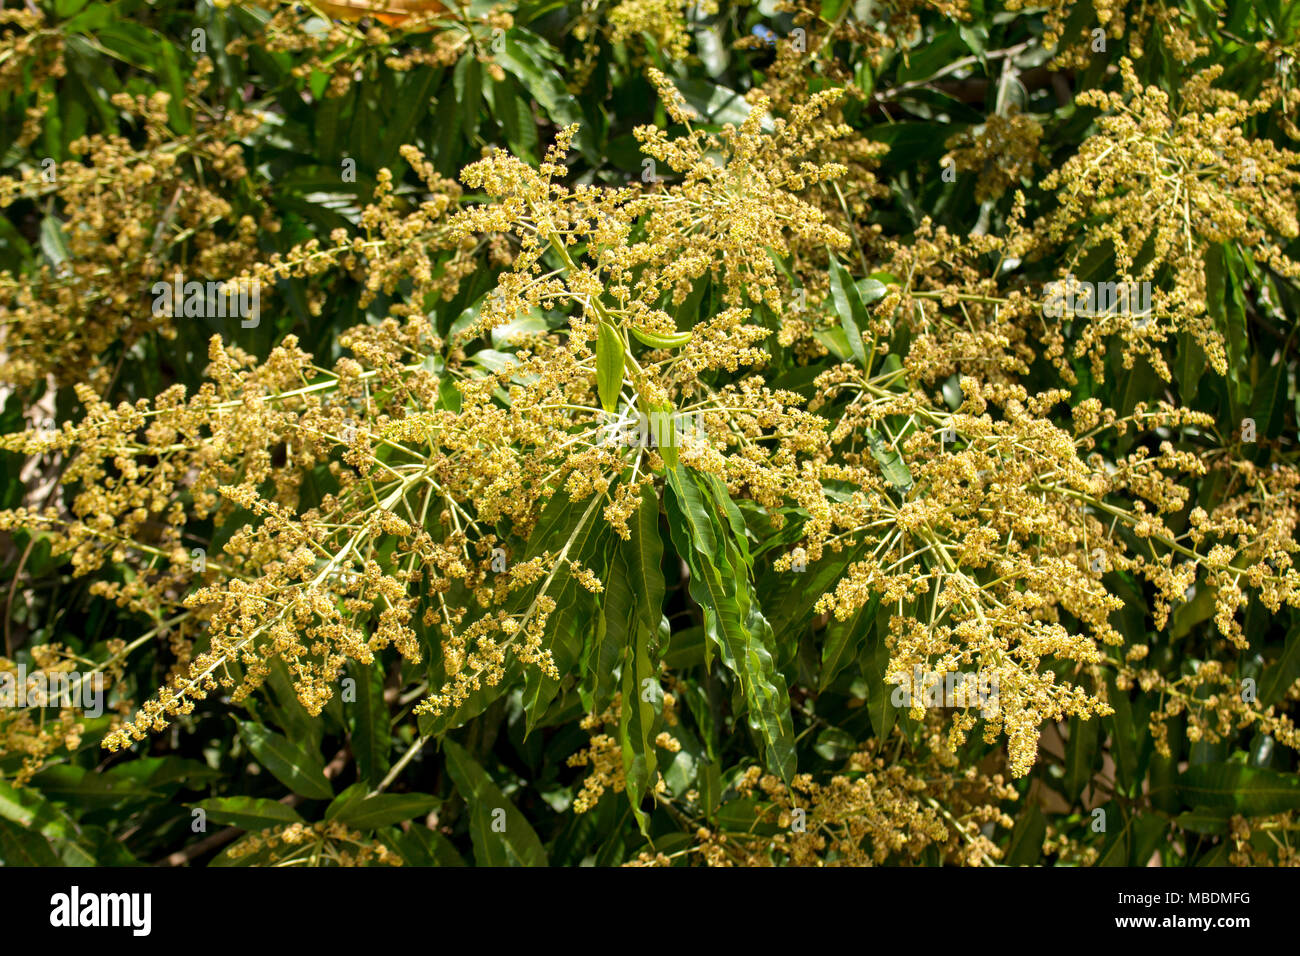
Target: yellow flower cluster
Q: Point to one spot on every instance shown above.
(459, 491)
(328, 843)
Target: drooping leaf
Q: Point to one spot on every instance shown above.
(501, 834)
(640, 718)
(1283, 673)
(732, 619)
(843, 639)
(300, 771)
(368, 718)
(849, 307)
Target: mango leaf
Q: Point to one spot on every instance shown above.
(610, 359)
(1268, 406)
(634, 594)
(500, 833)
(1284, 672)
(849, 307)
(719, 583)
(369, 723)
(383, 809)
(1080, 755)
(36, 832)
(300, 771)
(563, 639)
(891, 463)
(250, 813)
(644, 554)
(19, 847)
(843, 639)
(640, 717)
(54, 243)
(1235, 787)
(1027, 838)
(573, 524)
(873, 662)
(1203, 821)
(420, 846)
(512, 110)
(1123, 736)
(604, 654)
(524, 55)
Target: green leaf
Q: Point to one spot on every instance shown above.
(1080, 755)
(952, 396)
(657, 341)
(1235, 787)
(250, 813)
(33, 831)
(1226, 305)
(524, 55)
(891, 463)
(1027, 838)
(717, 104)
(54, 244)
(644, 553)
(732, 620)
(1268, 405)
(19, 847)
(602, 658)
(1278, 677)
(834, 744)
(639, 718)
(1189, 365)
(1203, 821)
(873, 662)
(300, 771)
(32, 811)
(499, 838)
(511, 108)
(369, 724)
(634, 609)
(421, 846)
(871, 289)
(609, 365)
(571, 524)
(849, 307)
(384, 809)
(1123, 735)
(843, 639)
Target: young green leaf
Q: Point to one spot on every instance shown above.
(609, 365)
(849, 307)
(657, 341)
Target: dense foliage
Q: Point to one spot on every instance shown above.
(642, 431)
